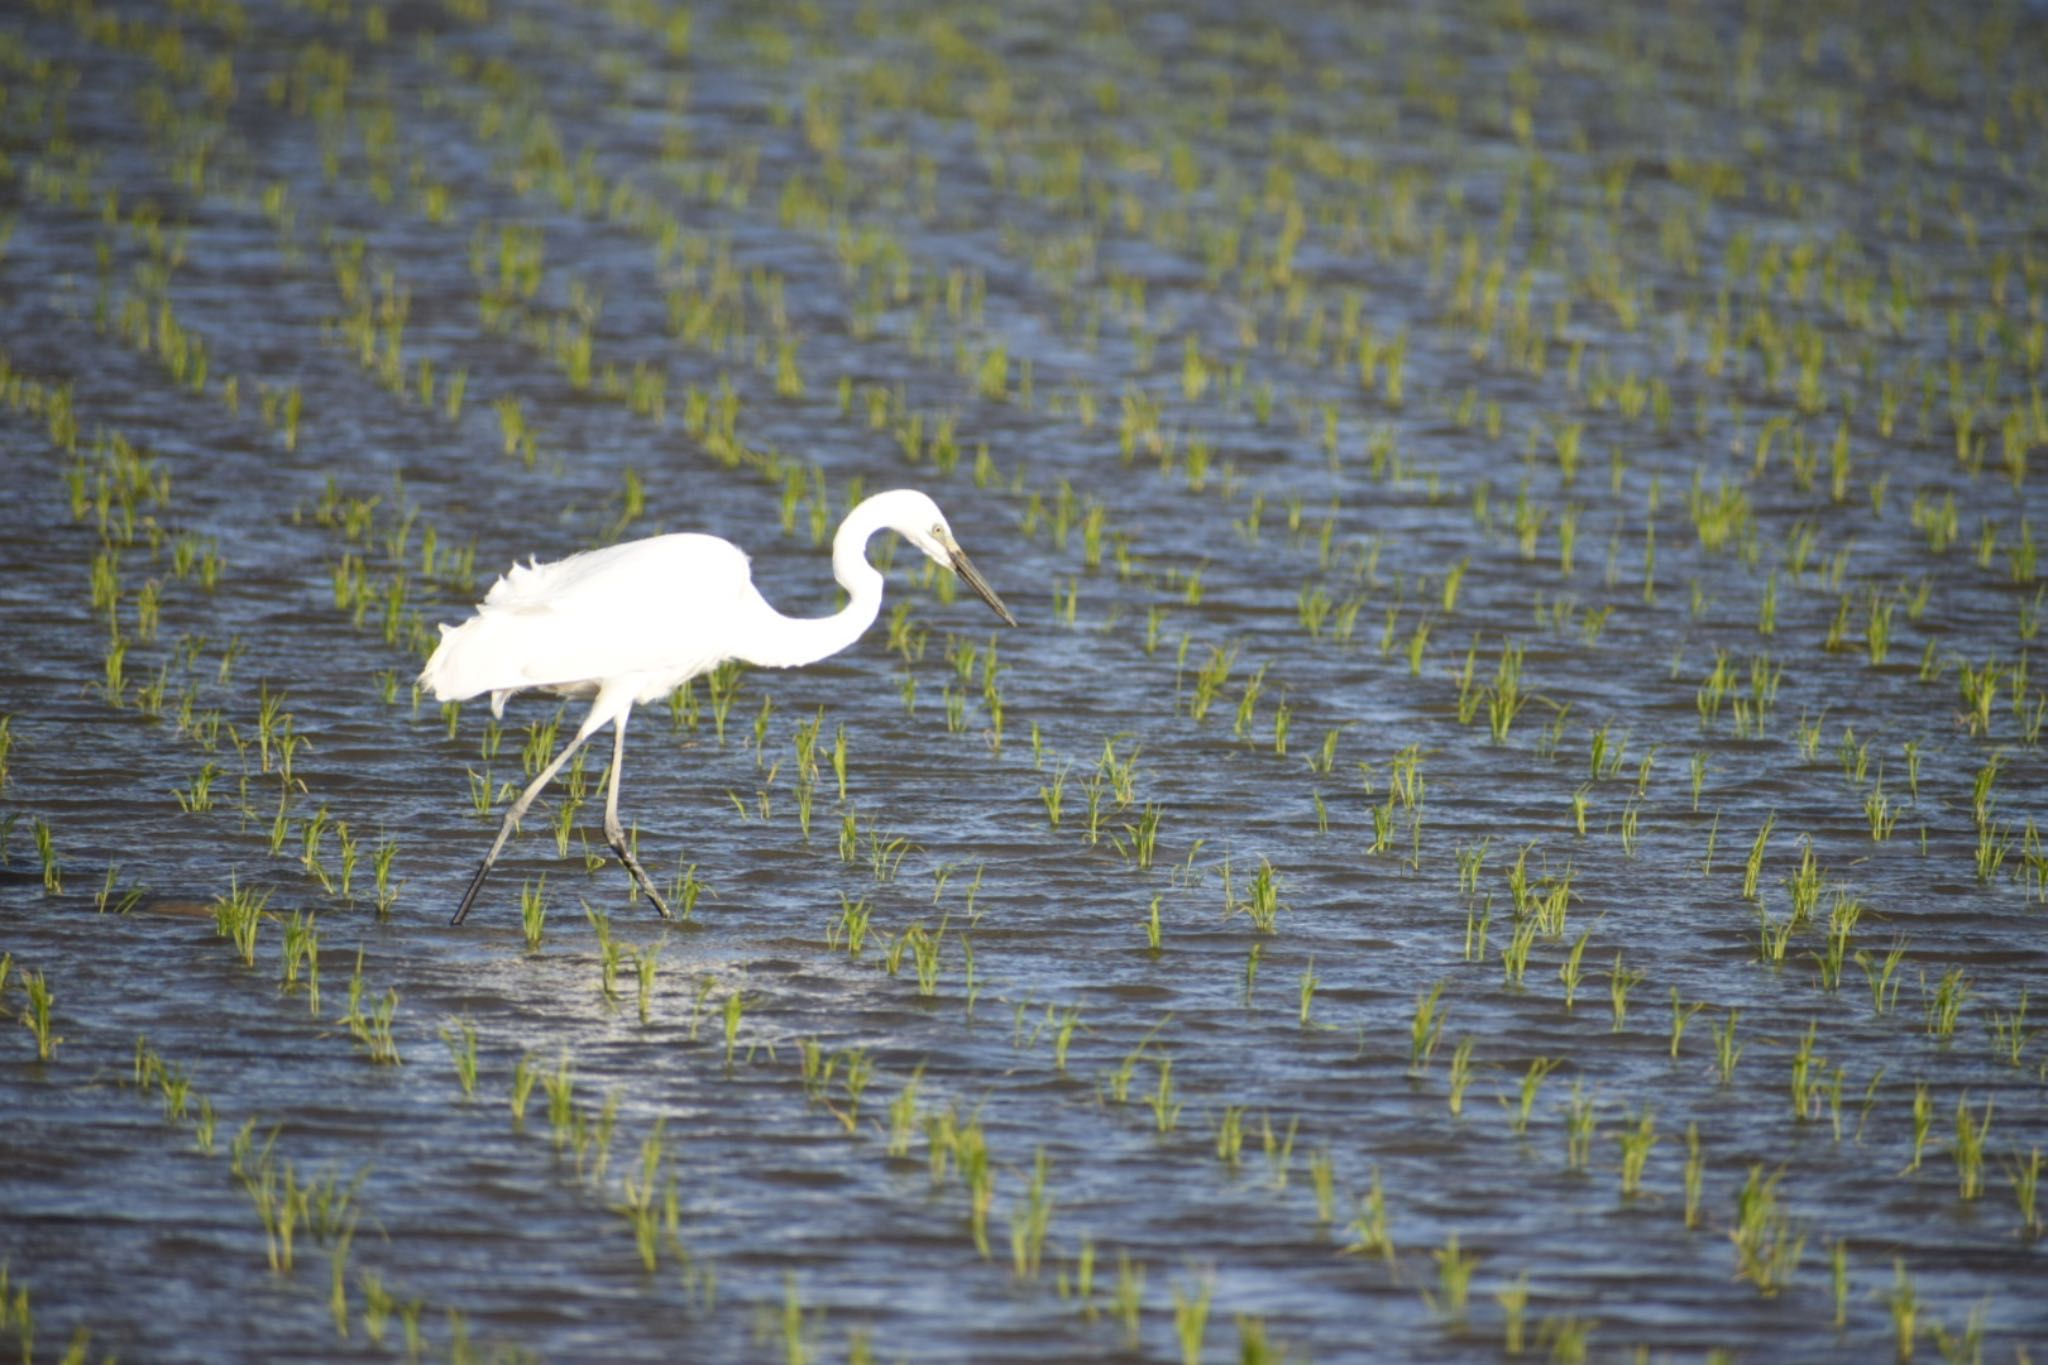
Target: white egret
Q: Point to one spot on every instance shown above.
(631, 623)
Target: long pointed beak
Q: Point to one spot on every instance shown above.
(964, 566)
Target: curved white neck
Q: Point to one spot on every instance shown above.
(792, 641)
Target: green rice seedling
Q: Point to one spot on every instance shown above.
(377, 1306)
(2009, 1032)
(1322, 1177)
(1994, 842)
(1514, 954)
(1031, 1221)
(1461, 1074)
(375, 1032)
(1969, 1147)
(1426, 1028)
(1279, 1149)
(1191, 1317)
(46, 851)
(1904, 1303)
(1144, 837)
(1637, 1139)
(1727, 1052)
(36, 1016)
(1754, 868)
(1053, 795)
(533, 911)
(1923, 1123)
(176, 1087)
(480, 791)
(1254, 1347)
(639, 1191)
(1803, 1068)
(279, 1209)
(1262, 902)
(1454, 1283)
(1805, 884)
(524, 1074)
(885, 855)
(409, 1327)
(1881, 811)
(1631, 820)
(1129, 1299)
(609, 952)
(1209, 681)
(129, 897)
(1471, 866)
(734, 1009)
(1774, 936)
(685, 888)
(198, 800)
(977, 1172)
(337, 1264)
(1944, 1008)
(1514, 1302)
(2025, 1175)
(560, 1089)
(1966, 1346)
(1695, 1175)
(1838, 1267)
(1478, 924)
(238, 916)
(1881, 974)
(1063, 1037)
(203, 1127)
(461, 1040)
(1532, 1083)
(1581, 1126)
(1844, 913)
(1567, 1337)
(1768, 1243)
(903, 1115)
(593, 1141)
(1980, 691)
(1699, 777)
(1570, 971)
(1620, 981)
(646, 963)
(1309, 982)
(114, 690)
(381, 859)
(350, 851)
(1165, 1108)
(924, 948)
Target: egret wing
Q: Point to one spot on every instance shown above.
(664, 607)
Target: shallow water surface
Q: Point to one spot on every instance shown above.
(1510, 822)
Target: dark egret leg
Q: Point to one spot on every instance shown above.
(614, 832)
(519, 808)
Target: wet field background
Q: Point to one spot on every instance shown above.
(1509, 825)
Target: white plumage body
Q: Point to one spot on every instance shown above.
(644, 617)
(630, 623)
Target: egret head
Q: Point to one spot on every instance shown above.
(918, 520)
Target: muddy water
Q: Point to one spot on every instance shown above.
(1164, 208)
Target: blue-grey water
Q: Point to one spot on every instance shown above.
(1345, 346)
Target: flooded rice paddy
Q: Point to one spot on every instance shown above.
(1510, 826)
